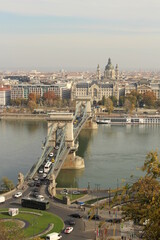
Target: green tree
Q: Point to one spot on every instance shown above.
(114, 100)
(103, 102)
(7, 184)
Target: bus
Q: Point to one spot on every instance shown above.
(35, 203)
(47, 167)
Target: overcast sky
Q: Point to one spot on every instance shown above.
(78, 34)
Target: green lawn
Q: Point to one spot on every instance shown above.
(37, 223)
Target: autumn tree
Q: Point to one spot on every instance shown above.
(32, 105)
(143, 206)
(7, 184)
(109, 105)
(129, 106)
(32, 97)
(149, 99)
(49, 98)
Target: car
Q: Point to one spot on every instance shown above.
(64, 193)
(31, 184)
(40, 170)
(38, 183)
(56, 147)
(52, 160)
(36, 190)
(76, 215)
(44, 175)
(94, 217)
(68, 229)
(18, 194)
(76, 193)
(36, 178)
(40, 197)
(71, 222)
(51, 154)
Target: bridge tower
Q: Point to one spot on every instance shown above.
(84, 101)
(61, 120)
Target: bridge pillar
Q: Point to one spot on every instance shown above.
(73, 162)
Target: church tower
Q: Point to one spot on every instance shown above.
(117, 72)
(98, 73)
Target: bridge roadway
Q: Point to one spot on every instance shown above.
(61, 154)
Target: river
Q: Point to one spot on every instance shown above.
(111, 153)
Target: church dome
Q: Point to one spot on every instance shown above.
(109, 66)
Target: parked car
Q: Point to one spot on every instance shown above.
(76, 215)
(71, 222)
(18, 194)
(94, 217)
(76, 193)
(68, 229)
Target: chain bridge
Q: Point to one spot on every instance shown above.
(61, 142)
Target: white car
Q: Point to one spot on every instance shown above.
(51, 154)
(76, 193)
(68, 230)
(56, 147)
(18, 194)
(40, 197)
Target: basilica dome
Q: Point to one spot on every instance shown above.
(109, 66)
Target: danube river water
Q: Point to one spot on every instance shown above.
(111, 153)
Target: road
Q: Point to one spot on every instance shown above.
(60, 210)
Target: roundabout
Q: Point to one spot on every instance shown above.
(32, 222)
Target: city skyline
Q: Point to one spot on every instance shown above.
(77, 35)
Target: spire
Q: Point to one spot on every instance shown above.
(98, 72)
(117, 72)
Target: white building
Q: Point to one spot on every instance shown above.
(5, 94)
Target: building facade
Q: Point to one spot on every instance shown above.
(5, 94)
(23, 90)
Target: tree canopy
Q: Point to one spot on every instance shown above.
(144, 199)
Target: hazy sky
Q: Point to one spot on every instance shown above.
(79, 34)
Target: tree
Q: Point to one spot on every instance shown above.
(152, 164)
(143, 206)
(149, 99)
(109, 105)
(32, 105)
(7, 184)
(129, 106)
(49, 98)
(103, 102)
(114, 100)
(32, 97)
